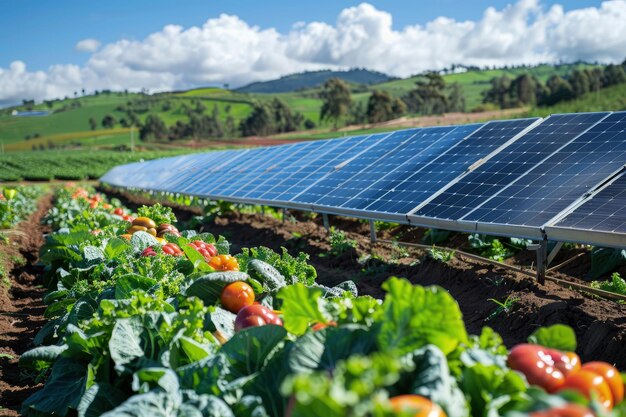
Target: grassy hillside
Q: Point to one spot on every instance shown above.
(474, 82)
(312, 79)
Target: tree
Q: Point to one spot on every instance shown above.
(456, 98)
(614, 74)
(579, 80)
(93, 123)
(379, 108)
(499, 93)
(337, 100)
(560, 90)
(153, 129)
(108, 121)
(428, 96)
(258, 122)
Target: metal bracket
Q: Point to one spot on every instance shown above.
(542, 259)
(372, 231)
(326, 222)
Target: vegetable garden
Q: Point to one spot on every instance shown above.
(150, 316)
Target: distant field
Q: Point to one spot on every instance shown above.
(74, 165)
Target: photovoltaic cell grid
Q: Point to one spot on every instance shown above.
(351, 186)
(604, 212)
(415, 173)
(569, 173)
(332, 190)
(476, 187)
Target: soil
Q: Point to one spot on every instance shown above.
(21, 307)
(600, 325)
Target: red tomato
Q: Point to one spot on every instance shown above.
(168, 250)
(422, 406)
(320, 326)
(149, 252)
(611, 375)
(255, 315)
(537, 365)
(236, 296)
(586, 382)
(119, 211)
(568, 410)
(566, 362)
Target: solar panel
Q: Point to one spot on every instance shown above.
(605, 211)
(332, 191)
(385, 185)
(560, 179)
(463, 197)
(336, 152)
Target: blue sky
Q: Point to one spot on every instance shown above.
(51, 49)
(44, 32)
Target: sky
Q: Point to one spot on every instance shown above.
(50, 49)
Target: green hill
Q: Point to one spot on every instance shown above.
(312, 79)
(611, 98)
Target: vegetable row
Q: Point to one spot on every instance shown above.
(168, 322)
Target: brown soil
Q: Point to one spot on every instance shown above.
(600, 325)
(21, 308)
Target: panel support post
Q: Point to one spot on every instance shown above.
(554, 251)
(372, 231)
(284, 214)
(326, 222)
(542, 259)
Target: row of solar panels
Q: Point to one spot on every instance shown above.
(559, 177)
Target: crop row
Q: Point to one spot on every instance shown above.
(148, 319)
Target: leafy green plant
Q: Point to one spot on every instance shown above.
(616, 284)
(441, 255)
(503, 306)
(339, 242)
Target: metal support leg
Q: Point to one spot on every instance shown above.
(326, 222)
(555, 250)
(542, 259)
(372, 231)
(284, 214)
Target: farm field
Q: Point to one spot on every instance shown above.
(162, 321)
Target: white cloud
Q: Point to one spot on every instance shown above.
(226, 49)
(87, 45)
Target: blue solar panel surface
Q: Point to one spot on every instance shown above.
(604, 212)
(507, 166)
(415, 166)
(561, 179)
(335, 189)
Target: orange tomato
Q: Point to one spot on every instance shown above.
(611, 375)
(588, 382)
(422, 406)
(126, 236)
(224, 263)
(236, 296)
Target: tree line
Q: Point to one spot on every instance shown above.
(527, 90)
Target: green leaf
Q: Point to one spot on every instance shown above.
(41, 357)
(59, 308)
(301, 307)
(147, 379)
(125, 342)
(128, 283)
(142, 240)
(99, 399)
(492, 390)
(93, 254)
(116, 247)
(323, 349)
(557, 336)
(414, 316)
(209, 287)
(431, 379)
(269, 276)
(62, 391)
(248, 349)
